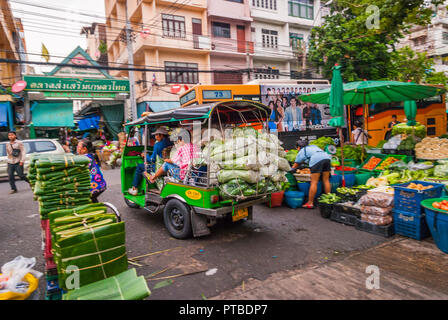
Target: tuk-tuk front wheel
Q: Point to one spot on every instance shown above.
(177, 219)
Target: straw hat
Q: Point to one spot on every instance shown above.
(160, 130)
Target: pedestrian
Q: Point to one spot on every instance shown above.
(97, 182)
(390, 126)
(15, 151)
(320, 165)
(360, 136)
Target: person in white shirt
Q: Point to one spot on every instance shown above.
(360, 136)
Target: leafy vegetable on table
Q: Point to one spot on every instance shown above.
(352, 152)
(402, 128)
(322, 142)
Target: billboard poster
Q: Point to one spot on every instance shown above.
(289, 113)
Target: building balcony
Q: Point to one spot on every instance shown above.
(278, 53)
(223, 46)
(187, 42)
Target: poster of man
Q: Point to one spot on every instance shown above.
(289, 112)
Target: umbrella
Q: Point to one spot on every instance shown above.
(410, 110)
(368, 92)
(337, 109)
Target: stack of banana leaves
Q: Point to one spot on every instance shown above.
(124, 286)
(60, 182)
(89, 240)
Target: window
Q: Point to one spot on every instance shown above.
(265, 4)
(295, 40)
(173, 26)
(269, 38)
(144, 82)
(221, 29)
(174, 73)
(445, 37)
(301, 8)
(3, 150)
(43, 146)
(239, 1)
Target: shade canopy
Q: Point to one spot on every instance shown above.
(368, 92)
(410, 110)
(336, 99)
(231, 112)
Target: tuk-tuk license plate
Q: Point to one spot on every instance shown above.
(240, 214)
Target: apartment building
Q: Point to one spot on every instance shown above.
(432, 39)
(96, 42)
(280, 31)
(11, 45)
(169, 36)
(229, 25)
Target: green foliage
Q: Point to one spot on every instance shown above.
(364, 53)
(322, 142)
(418, 130)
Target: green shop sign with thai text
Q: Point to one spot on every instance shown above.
(36, 83)
(52, 94)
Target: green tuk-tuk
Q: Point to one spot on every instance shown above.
(192, 205)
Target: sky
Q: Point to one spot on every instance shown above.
(57, 24)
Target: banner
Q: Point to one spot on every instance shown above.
(289, 113)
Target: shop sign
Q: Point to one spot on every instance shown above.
(97, 95)
(36, 83)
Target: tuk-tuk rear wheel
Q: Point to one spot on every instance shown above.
(177, 219)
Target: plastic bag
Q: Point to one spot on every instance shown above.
(398, 165)
(13, 273)
(247, 175)
(377, 220)
(243, 163)
(376, 211)
(377, 199)
(419, 166)
(441, 170)
(393, 142)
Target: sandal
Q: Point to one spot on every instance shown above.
(308, 206)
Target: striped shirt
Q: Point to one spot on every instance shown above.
(184, 156)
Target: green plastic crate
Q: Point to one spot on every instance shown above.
(362, 177)
(381, 156)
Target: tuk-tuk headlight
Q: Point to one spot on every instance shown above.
(214, 198)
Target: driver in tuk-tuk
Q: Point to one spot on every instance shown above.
(162, 141)
(186, 151)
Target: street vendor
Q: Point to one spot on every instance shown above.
(162, 141)
(178, 165)
(320, 165)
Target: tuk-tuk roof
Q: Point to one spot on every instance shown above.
(191, 112)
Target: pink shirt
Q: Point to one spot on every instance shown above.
(184, 155)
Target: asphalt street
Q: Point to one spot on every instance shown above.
(276, 240)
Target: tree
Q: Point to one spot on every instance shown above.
(414, 66)
(363, 51)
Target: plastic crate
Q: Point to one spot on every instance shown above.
(408, 200)
(362, 177)
(346, 197)
(384, 231)
(345, 218)
(381, 156)
(399, 157)
(339, 207)
(411, 225)
(389, 151)
(325, 209)
(406, 152)
(52, 282)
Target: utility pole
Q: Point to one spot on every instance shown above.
(133, 102)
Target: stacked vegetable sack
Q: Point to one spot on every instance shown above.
(59, 182)
(247, 164)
